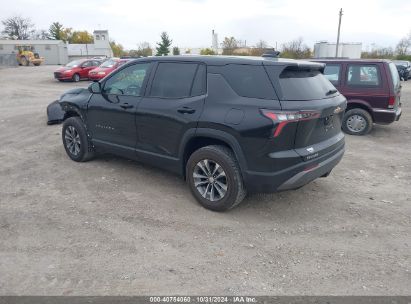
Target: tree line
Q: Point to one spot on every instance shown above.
(20, 28)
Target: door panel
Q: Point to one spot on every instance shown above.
(162, 123)
(172, 106)
(111, 115)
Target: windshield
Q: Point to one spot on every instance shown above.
(108, 63)
(74, 64)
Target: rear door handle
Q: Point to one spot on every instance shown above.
(126, 106)
(186, 110)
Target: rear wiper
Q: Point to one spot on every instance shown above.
(330, 92)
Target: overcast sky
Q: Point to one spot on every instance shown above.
(189, 22)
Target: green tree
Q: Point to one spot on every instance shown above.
(207, 51)
(163, 46)
(229, 45)
(56, 31)
(176, 51)
(295, 49)
(18, 28)
(81, 37)
(117, 49)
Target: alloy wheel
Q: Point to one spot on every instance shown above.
(210, 180)
(72, 139)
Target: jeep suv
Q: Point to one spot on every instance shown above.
(227, 125)
(372, 88)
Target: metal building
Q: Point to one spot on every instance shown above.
(53, 51)
(325, 49)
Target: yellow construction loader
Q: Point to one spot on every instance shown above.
(25, 56)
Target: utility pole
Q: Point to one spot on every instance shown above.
(338, 35)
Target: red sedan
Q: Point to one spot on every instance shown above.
(76, 70)
(106, 68)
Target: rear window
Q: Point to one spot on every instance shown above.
(394, 75)
(173, 80)
(249, 81)
(305, 85)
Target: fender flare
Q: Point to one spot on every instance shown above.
(225, 137)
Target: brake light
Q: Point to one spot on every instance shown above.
(391, 102)
(281, 118)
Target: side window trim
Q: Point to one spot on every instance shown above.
(195, 77)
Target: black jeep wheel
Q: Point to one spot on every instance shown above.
(214, 178)
(76, 141)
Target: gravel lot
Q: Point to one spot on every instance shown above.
(113, 226)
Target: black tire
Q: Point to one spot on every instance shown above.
(25, 61)
(75, 78)
(85, 148)
(363, 128)
(225, 158)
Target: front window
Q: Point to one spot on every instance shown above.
(332, 73)
(128, 81)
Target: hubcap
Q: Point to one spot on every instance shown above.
(72, 139)
(356, 123)
(210, 180)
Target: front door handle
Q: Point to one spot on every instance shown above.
(126, 106)
(186, 110)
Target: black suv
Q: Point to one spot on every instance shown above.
(227, 125)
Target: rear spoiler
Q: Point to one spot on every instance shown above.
(290, 64)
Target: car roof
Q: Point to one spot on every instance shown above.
(223, 60)
(349, 60)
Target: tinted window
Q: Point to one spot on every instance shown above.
(305, 85)
(199, 85)
(128, 81)
(173, 80)
(249, 81)
(332, 72)
(363, 75)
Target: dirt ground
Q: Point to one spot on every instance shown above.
(113, 226)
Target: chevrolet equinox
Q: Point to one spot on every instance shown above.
(227, 125)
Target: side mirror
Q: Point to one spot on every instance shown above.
(95, 88)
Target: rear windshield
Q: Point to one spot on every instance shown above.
(108, 63)
(395, 76)
(305, 85)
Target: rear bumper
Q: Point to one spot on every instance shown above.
(386, 116)
(298, 175)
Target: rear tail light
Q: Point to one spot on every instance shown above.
(281, 118)
(391, 102)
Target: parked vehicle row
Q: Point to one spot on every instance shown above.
(90, 69)
(404, 69)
